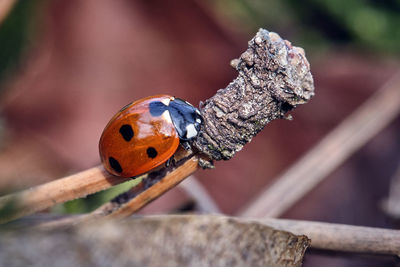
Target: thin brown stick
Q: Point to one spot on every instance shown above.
(354, 132)
(340, 237)
(5, 8)
(47, 195)
(179, 167)
(330, 236)
(153, 186)
(169, 181)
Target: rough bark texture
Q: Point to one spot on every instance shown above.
(274, 77)
(155, 241)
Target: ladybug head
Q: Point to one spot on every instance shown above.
(186, 118)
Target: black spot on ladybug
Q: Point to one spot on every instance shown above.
(151, 152)
(126, 132)
(157, 108)
(114, 164)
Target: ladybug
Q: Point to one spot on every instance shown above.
(146, 133)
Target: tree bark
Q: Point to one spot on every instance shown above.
(274, 77)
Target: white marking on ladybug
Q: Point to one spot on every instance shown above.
(166, 116)
(190, 131)
(166, 101)
(198, 112)
(198, 120)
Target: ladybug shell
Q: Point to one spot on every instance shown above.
(135, 141)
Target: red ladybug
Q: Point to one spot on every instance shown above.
(146, 133)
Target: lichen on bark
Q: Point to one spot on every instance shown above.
(274, 77)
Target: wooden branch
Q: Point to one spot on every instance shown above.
(274, 78)
(129, 202)
(162, 179)
(340, 237)
(5, 8)
(58, 191)
(168, 182)
(353, 133)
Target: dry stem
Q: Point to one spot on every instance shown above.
(340, 237)
(58, 191)
(353, 133)
(168, 182)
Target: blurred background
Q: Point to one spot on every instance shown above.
(67, 66)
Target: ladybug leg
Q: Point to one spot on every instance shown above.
(170, 162)
(186, 145)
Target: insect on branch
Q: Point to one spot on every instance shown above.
(273, 78)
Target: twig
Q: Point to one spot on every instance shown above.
(340, 237)
(137, 197)
(274, 77)
(354, 132)
(58, 191)
(5, 8)
(168, 182)
(170, 176)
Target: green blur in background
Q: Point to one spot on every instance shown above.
(370, 25)
(14, 36)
